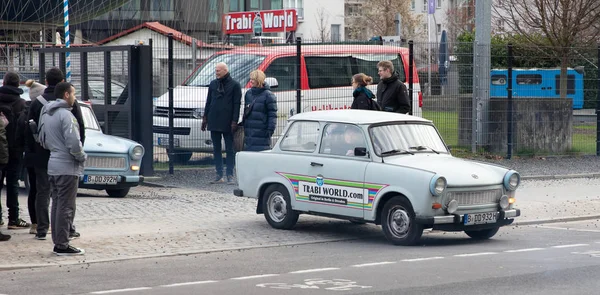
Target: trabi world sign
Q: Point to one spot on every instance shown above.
(257, 22)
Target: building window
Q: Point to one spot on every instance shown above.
(295, 4)
(236, 5)
(439, 4)
(276, 4)
(413, 5)
(213, 7)
(255, 5)
(335, 33)
(425, 8)
(439, 28)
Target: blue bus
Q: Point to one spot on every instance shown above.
(538, 83)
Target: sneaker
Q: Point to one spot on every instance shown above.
(40, 237)
(69, 251)
(18, 224)
(230, 179)
(74, 235)
(1, 222)
(219, 179)
(4, 238)
(33, 229)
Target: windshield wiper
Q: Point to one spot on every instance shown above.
(422, 147)
(390, 152)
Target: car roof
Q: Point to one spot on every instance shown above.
(360, 117)
(320, 49)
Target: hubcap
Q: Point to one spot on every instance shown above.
(277, 207)
(399, 222)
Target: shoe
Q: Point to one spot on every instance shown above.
(1, 222)
(18, 224)
(219, 179)
(69, 251)
(40, 237)
(33, 229)
(74, 235)
(230, 179)
(4, 238)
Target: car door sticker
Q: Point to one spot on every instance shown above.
(333, 192)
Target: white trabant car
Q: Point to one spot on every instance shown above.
(378, 167)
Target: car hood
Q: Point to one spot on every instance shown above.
(98, 142)
(458, 172)
(186, 97)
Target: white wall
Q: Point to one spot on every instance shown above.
(333, 10)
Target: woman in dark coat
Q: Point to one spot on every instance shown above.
(260, 114)
(363, 97)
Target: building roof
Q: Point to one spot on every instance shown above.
(356, 116)
(163, 30)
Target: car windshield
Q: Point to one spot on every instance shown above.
(89, 119)
(240, 65)
(409, 138)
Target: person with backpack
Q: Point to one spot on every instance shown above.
(363, 97)
(11, 106)
(391, 92)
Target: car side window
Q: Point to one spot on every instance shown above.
(328, 71)
(302, 136)
(341, 139)
(283, 69)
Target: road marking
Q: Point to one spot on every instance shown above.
(188, 284)
(524, 250)
(373, 264)
(475, 254)
(422, 259)
(315, 270)
(121, 290)
(255, 277)
(570, 228)
(570, 246)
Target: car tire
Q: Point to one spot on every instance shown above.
(117, 193)
(180, 157)
(398, 222)
(483, 234)
(277, 207)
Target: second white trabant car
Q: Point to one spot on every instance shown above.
(377, 167)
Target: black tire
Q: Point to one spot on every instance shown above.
(180, 157)
(118, 193)
(280, 215)
(399, 210)
(483, 234)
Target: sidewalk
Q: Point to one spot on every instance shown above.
(154, 222)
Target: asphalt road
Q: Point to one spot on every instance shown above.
(545, 259)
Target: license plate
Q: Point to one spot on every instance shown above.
(164, 141)
(100, 179)
(480, 218)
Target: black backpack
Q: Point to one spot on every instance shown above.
(12, 127)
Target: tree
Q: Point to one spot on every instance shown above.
(378, 18)
(562, 24)
(322, 25)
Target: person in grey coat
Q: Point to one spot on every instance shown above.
(59, 133)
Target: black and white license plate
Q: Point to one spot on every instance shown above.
(100, 179)
(164, 141)
(480, 218)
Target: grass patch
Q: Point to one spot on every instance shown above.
(446, 123)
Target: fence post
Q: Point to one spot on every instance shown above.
(170, 152)
(509, 108)
(194, 50)
(411, 52)
(298, 74)
(598, 107)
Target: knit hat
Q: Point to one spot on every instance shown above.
(35, 89)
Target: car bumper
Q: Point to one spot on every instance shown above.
(187, 134)
(455, 222)
(123, 181)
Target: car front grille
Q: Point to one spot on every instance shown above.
(105, 162)
(176, 130)
(469, 198)
(177, 112)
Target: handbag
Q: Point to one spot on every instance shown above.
(238, 136)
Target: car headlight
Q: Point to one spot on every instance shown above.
(437, 185)
(512, 179)
(137, 152)
(197, 113)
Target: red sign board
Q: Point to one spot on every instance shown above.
(255, 22)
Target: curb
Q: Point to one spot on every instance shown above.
(561, 176)
(556, 220)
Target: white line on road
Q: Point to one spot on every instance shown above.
(570, 246)
(373, 264)
(475, 254)
(422, 259)
(570, 228)
(121, 290)
(315, 270)
(188, 284)
(255, 277)
(524, 250)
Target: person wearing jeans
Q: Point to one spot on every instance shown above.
(221, 115)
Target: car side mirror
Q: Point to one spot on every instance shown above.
(360, 152)
(272, 82)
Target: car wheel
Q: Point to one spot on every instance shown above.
(483, 234)
(117, 193)
(398, 222)
(277, 207)
(180, 157)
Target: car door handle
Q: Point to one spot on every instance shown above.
(316, 164)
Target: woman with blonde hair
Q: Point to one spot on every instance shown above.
(260, 114)
(363, 97)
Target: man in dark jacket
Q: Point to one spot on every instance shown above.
(41, 155)
(221, 116)
(12, 105)
(391, 92)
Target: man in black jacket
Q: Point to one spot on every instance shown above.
(12, 105)
(41, 155)
(221, 115)
(391, 92)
